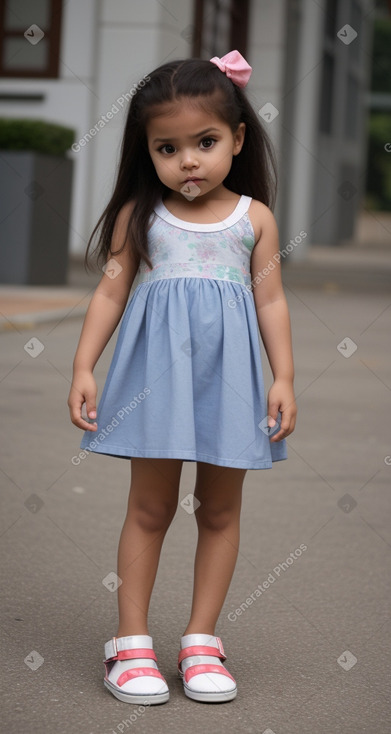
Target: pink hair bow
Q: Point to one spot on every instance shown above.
(235, 67)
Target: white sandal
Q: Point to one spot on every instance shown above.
(132, 674)
(204, 676)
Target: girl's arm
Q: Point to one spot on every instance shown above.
(103, 315)
(274, 322)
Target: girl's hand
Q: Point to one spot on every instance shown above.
(281, 399)
(83, 390)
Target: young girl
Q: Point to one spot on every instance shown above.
(190, 218)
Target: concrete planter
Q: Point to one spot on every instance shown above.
(35, 198)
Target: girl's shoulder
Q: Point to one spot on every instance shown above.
(261, 218)
(124, 214)
(121, 245)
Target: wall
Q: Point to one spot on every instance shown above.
(106, 47)
(133, 38)
(67, 100)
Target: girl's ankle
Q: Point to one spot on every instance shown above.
(131, 631)
(199, 630)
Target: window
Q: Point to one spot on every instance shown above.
(220, 26)
(331, 18)
(328, 68)
(356, 23)
(30, 38)
(326, 100)
(352, 108)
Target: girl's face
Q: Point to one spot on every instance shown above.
(191, 149)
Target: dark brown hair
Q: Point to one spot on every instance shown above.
(253, 170)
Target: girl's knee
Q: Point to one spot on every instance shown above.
(153, 516)
(216, 518)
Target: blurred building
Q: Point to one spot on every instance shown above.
(79, 63)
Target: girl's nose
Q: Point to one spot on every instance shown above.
(189, 159)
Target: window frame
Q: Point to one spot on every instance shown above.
(53, 36)
(239, 21)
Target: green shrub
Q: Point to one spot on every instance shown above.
(378, 174)
(381, 56)
(43, 137)
(378, 179)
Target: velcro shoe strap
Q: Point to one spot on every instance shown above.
(200, 669)
(188, 652)
(118, 644)
(140, 652)
(138, 673)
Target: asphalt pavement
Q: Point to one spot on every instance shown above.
(310, 652)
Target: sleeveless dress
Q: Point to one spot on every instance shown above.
(185, 380)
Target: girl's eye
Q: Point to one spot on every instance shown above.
(167, 148)
(207, 143)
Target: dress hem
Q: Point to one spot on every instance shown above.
(186, 456)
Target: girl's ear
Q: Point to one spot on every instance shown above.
(239, 138)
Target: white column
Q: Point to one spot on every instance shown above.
(134, 37)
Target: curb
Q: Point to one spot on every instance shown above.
(30, 320)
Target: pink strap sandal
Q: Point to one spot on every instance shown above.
(204, 676)
(132, 674)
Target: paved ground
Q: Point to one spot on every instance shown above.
(310, 654)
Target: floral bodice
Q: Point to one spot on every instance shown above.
(220, 251)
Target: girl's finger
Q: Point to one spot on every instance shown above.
(82, 423)
(286, 428)
(78, 419)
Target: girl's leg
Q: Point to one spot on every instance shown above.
(152, 504)
(219, 490)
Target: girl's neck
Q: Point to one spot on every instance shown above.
(220, 193)
(210, 208)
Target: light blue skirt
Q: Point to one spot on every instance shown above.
(185, 381)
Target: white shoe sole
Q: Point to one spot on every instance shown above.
(203, 697)
(146, 700)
